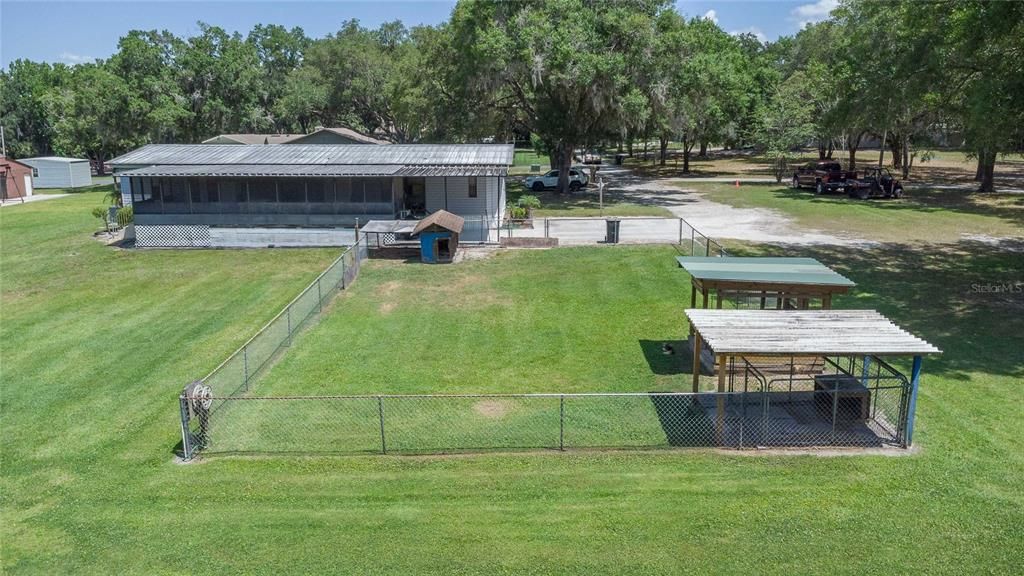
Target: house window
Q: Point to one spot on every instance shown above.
(35, 172)
(472, 187)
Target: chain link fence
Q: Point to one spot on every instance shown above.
(628, 230)
(235, 374)
(767, 403)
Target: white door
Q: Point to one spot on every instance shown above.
(28, 185)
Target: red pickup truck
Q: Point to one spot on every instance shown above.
(823, 176)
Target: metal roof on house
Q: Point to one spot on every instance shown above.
(253, 170)
(762, 270)
(64, 159)
(493, 155)
(441, 218)
(804, 332)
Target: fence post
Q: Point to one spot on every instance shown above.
(680, 231)
(380, 412)
(561, 422)
(342, 281)
(835, 409)
(547, 228)
(186, 434)
(289, 313)
(691, 241)
(245, 367)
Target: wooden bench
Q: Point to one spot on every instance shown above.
(852, 399)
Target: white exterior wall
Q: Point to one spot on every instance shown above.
(81, 174)
(59, 173)
(481, 213)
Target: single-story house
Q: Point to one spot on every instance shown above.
(320, 136)
(336, 136)
(59, 172)
(15, 179)
(251, 138)
(306, 194)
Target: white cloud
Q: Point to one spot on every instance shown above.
(810, 13)
(761, 36)
(72, 58)
(711, 15)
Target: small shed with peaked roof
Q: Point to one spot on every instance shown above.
(439, 236)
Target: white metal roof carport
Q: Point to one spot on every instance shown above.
(731, 333)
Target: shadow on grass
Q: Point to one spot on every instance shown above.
(925, 200)
(665, 363)
(684, 421)
(966, 298)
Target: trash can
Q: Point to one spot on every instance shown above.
(611, 235)
(619, 159)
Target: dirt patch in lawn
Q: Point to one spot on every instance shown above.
(492, 408)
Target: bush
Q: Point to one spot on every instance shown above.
(528, 201)
(125, 216)
(515, 211)
(100, 213)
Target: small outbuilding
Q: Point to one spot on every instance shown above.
(439, 236)
(59, 172)
(15, 179)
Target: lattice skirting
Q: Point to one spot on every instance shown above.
(172, 236)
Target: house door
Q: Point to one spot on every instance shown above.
(414, 196)
(28, 185)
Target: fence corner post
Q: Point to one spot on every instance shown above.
(186, 434)
(245, 367)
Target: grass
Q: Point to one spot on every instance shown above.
(98, 343)
(943, 166)
(923, 215)
(585, 203)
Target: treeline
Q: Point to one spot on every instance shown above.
(566, 73)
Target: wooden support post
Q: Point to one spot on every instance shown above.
(693, 302)
(718, 298)
(763, 299)
(696, 361)
(915, 381)
(704, 292)
(826, 302)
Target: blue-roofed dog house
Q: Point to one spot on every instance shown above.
(439, 236)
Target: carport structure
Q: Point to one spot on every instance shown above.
(780, 283)
(809, 377)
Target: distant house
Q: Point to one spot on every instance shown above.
(336, 136)
(59, 172)
(15, 179)
(319, 136)
(251, 138)
(306, 194)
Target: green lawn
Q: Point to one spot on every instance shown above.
(98, 343)
(585, 203)
(923, 215)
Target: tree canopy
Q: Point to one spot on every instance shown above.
(564, 74)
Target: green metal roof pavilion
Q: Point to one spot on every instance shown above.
(757, 270)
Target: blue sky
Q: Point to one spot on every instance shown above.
(80, 31)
